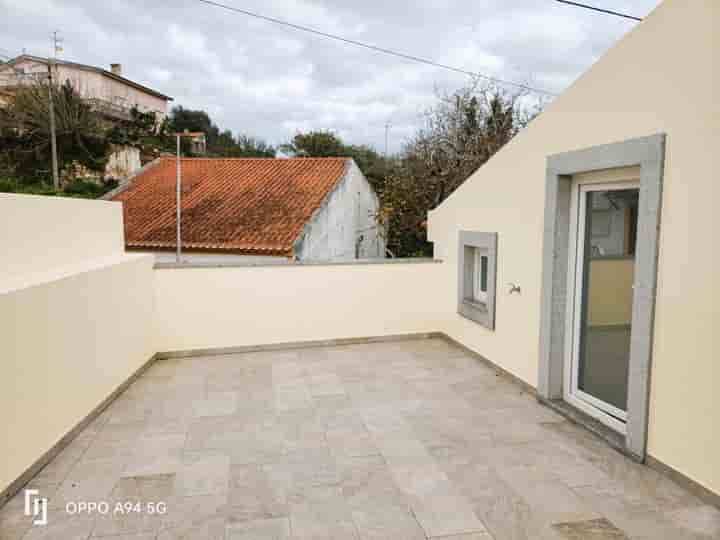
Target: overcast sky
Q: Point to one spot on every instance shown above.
(269, 81)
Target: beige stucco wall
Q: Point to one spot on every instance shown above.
(226, 307)
(72, 327)
(661, 78)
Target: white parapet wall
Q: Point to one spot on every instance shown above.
(238, 306)
(40, 233)
(75, 320)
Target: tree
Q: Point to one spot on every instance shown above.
(25, 131)
(460, 133)
(192, 120)
(219, 143)
(327, 144)
(246, 146)
(315, 144)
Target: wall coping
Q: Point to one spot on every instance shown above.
(291, 264)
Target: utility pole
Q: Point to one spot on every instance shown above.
(53, 139)
(178, 186)
(387, 137)
(178, 191)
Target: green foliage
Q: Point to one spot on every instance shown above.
(315, 144)
(246, 146)
(219, 143)
(327, 144)
(461, 132)
(134, 132)
(25, 132)
(77, 189)
(89, 190)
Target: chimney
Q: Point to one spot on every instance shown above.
(116, 69)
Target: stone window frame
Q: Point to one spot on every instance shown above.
(649, 154)
(481, 313)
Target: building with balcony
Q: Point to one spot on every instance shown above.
(107, 90)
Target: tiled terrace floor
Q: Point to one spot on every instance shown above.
(398, 441)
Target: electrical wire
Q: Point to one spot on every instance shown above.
(376, 48)
(600, 10)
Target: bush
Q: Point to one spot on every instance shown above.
(78, 189)
(88, 190)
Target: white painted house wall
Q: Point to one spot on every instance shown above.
(344, 227)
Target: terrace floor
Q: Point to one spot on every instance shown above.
(399, 441)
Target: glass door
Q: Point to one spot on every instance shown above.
(602, 295)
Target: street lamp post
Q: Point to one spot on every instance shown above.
(178, 191)
(178, 186)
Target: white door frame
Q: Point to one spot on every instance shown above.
(598, 409)
(647, 153)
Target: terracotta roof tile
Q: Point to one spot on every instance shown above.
(254, 206)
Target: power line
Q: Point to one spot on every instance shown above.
(600, 10)
(375, 48)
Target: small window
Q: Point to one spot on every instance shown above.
(481, 277)
(476, 295)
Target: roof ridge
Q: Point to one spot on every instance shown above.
(307, 158)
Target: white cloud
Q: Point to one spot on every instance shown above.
(269, 81)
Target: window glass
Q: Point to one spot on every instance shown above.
(613, 223)
(480, 277)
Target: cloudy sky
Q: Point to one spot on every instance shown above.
(269, 81)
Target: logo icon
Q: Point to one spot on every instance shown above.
(36, 507)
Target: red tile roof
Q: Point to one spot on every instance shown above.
(253, 206)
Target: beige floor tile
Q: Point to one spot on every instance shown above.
(352, 441)
(325, 384)
(89, 481)
(216, 433)
(291, 394)
(445, 514)
(195, 518)
(133, 503)
(323, 521)
(115, 441)
(56, 471)
(367, 481)
(203, 473)
(703, 520)
(126, 410)
(156, 453)
(549, 499)
(468, 536)
(138, 536)
(306, 482)
(62, 526)
(377, 436)
(216, 404)
(593, 529)
(13, 522)
(266, 529)
(385, 523)
(251, 495)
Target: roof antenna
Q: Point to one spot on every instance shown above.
(57, 40)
